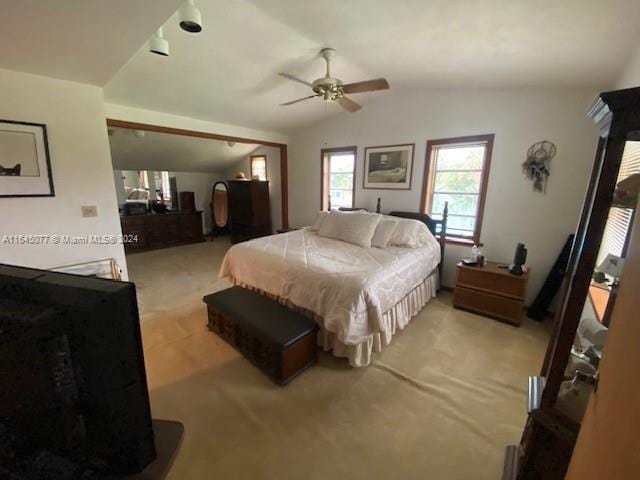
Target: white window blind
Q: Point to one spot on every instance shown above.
(619, 220)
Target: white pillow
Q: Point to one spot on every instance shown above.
(320, 218)
(357, 229)
(410, 233)
(384, 231)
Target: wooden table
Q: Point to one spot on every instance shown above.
(491, 291)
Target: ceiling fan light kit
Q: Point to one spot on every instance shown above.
(332, 89)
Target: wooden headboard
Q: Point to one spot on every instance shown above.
(437, 227)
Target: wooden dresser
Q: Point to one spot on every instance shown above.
(161, 230)
(249, 209)
(491, 291)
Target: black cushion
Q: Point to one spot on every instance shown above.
(262, 316)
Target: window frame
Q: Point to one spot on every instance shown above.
(324, 173)
(429, 175)
(252, 158)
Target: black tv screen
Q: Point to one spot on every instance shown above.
(74, 401)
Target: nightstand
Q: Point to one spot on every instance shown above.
(491, 291)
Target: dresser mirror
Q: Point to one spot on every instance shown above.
(559, 396)
(220, 206)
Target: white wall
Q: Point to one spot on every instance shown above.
(81, 166)
(630, 77)
(201, 184)
(152, 117)
(513, 212)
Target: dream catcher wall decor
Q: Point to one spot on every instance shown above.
(537, 166)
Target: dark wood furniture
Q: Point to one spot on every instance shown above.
(250, 212)
(549, 436)
(161, 230)
(491, 290)
(279, 341)
(187, 202)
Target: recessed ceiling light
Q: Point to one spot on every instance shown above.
(190, 18)
(158, 44)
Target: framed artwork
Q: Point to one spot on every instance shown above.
(388, 167)
(25, 166)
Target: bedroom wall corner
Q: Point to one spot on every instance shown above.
(630, 76)
(81, 169)
(513, 211)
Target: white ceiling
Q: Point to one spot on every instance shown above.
(228, 73)
(85, 41)
(174, 153)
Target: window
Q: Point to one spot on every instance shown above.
(616, 232)
(258, 167)
(143, 179)
(338, 172)
(163, 188)
(457, 171)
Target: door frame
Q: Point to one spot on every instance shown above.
(284, 171)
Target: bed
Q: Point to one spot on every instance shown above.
(360, 297)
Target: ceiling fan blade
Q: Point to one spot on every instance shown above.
(295, 79)
(366, 86)
(348, 104)
(298, 100)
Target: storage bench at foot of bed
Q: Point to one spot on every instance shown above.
(280, 342)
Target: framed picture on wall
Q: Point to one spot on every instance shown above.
(388, 167)
(25, 166)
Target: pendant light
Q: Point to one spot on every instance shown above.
(158, 44)
(190, 18)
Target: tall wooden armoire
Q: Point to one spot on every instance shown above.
(250, 212)
(550, 434)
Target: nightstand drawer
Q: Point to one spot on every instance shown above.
(502, 283)
(503, 308)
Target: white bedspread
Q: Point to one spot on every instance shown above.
(348, 286)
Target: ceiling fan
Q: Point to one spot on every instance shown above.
(333, 90)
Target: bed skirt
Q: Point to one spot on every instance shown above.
(395, 319)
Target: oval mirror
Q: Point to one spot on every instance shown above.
(220, 207)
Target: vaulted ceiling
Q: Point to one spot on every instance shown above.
(229, 71)
(85, 41)
(137, 150)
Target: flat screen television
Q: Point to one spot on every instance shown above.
(74, 401)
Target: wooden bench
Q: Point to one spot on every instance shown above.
(279, 341)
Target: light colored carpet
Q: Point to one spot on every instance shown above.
(441, 402)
